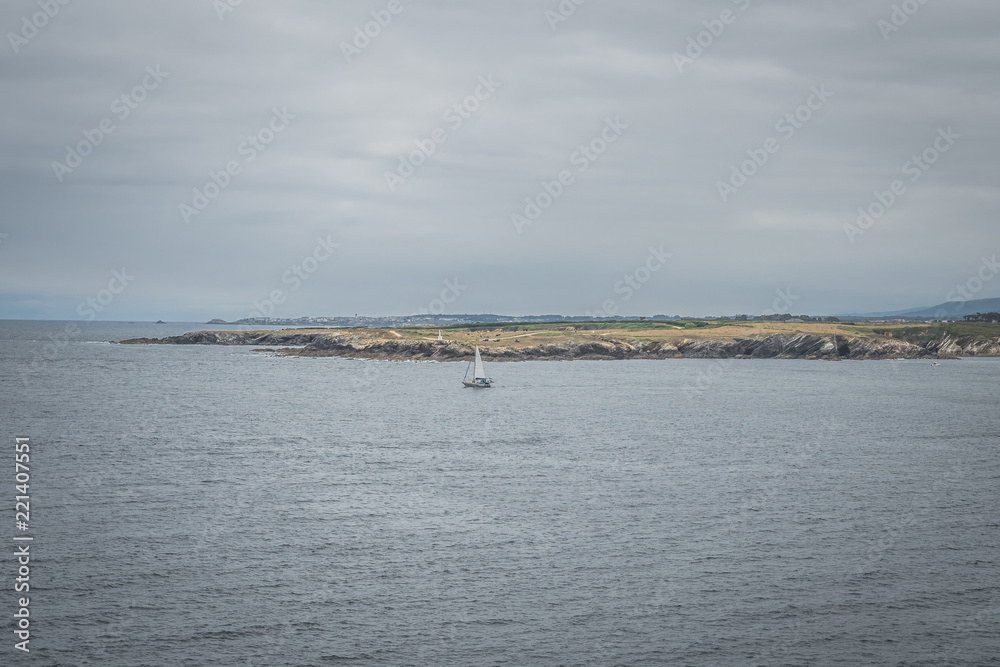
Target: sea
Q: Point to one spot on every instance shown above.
(202, 505)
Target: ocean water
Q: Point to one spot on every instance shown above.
(205, 505)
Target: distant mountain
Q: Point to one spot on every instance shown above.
(950, 310)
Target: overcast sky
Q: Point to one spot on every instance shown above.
(332, 111)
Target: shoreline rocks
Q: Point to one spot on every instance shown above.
(775, 346)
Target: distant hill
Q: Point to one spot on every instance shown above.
(950, 310)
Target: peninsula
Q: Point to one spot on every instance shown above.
(620, 340)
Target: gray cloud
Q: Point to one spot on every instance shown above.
(657, 185)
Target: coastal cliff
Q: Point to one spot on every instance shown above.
(365, 345)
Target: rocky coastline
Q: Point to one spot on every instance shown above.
(774, 346)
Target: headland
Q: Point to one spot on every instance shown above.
(635, 339)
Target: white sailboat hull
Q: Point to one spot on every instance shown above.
(477, 385)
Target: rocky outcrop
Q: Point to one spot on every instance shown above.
(802, 346)
(775, 346)
(230, 338)
(396, 350)
(965, 346)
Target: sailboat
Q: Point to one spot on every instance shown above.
(479, 379)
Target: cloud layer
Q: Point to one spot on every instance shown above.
(423, 148)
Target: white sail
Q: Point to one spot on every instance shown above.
(479, 373)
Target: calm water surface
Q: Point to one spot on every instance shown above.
(209, 505)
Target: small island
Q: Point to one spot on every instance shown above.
(635, 339)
